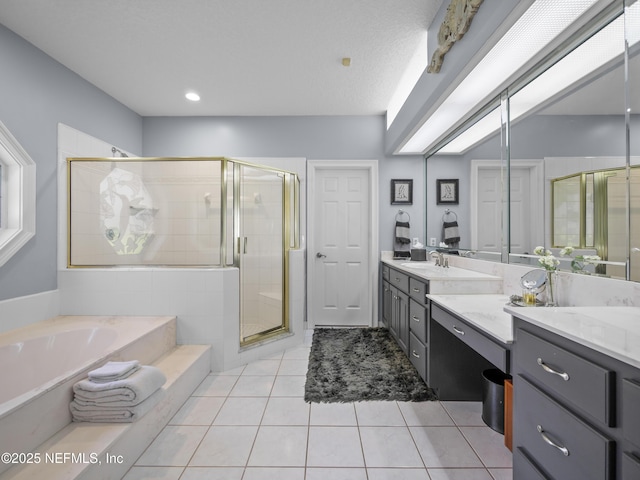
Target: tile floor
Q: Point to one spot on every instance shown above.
(252, 423)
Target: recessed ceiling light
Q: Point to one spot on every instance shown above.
(193, 96)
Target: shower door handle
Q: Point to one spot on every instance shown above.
(320, 255)
(244, 247)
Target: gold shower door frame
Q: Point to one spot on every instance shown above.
(265, 229)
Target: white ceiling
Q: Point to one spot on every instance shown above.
(244, 57)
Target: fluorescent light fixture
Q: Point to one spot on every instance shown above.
(192, 96)
(416, 67)
(534, 30)
(597, 51)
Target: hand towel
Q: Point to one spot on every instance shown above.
(81, 413)
(134, 389)
(403, 232)
(111, 371)
(450, 232)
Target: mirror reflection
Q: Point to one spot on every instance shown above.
(567, 160)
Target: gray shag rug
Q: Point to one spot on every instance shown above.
(356, 364)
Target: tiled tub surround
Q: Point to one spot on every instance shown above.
(43, 361)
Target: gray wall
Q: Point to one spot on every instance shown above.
(36, 93)
(311, 137)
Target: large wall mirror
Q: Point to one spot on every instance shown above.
(570, 157)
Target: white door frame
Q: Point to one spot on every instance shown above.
(372, 167)
(536, 191)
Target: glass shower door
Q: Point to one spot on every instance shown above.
(260, 252)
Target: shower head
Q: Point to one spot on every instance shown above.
(117, 151)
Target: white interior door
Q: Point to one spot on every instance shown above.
(489, 214)
(521, 216)
(341, 247)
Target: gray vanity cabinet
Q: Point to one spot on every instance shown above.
(404, 311)
(576, 411)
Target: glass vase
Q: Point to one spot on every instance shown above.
(552, 287)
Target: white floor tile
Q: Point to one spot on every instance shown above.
(225, 446)
(253, 386)
(298, 353)
(459, 474)
(262, 367)
(465, 413)
(489, 445)
(397, 474)
(389, 447)
(424, 414)
(198, 411)
(216, 385)
(444, 447)
(334, 447)
(241, 411)
(289, 386)
(336, 474)
(501, 473)
(212, 473)
(279, 447)
(293, 367)
(273, 473)
(153, 473)
(379, 414)
(333, 414)
(173, 446)
(286, 411)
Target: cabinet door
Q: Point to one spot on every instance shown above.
(393, 315)
(386, 303)
(403, 321)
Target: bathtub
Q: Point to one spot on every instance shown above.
(41, 362)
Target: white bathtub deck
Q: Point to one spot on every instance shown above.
(117, 446)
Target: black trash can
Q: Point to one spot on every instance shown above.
(493, 398)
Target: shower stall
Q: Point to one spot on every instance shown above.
(190, 213)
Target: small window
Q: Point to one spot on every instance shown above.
(17, 196)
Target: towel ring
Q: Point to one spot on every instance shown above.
(449, 212)
(402, 212)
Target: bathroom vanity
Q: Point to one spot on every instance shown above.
(449, 351)
(576, 393)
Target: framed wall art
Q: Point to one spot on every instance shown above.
(447, 191)
(401, 192)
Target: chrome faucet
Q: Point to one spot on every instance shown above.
(439, 258)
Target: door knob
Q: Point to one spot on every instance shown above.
(320, 255)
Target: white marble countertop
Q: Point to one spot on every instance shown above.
(429, 271)
(486, 312)
(614, 331)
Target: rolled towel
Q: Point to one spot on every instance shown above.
(81, 413)
(112, 371)
(133, 389)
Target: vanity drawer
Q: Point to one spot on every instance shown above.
(418, 290)
(385, 272)
(566, 446)
(580, 381)
(490, 350)
(631, 411)
(418, 355)
(630, 466)
(399, 280)
(418, 320)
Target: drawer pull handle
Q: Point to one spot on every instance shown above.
(417, 290)
(548, 441)
(548, 369)
(415, 318)
(413, 352)
(458, 331)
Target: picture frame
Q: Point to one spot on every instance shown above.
(447, 191)
(402, 192)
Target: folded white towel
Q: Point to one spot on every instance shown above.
(111, 371)
(114, 414)
(133, 389)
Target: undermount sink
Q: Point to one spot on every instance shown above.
(432, 270)
(418, 265)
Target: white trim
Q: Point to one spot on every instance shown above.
(372, 167)
(20, 197)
